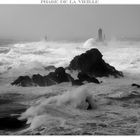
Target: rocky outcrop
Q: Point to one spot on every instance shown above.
(91, 63)
(52, 78)
(59, 76)
(84, 77)
(39, 80)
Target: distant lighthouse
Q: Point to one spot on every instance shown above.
(100, 35)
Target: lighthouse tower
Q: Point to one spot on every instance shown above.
(100, 35)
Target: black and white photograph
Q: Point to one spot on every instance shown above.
(69, 70)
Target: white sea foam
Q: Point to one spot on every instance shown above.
(32, 57)
(59, 107)
(69, 105)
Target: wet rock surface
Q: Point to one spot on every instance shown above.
(84, 77)
(91, 63)
(56, 77)
(53, 78)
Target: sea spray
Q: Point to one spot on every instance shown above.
(31, 58)
(61, 107)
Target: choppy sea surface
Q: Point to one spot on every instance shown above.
(61, 109)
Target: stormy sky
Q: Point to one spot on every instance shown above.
(75, 22)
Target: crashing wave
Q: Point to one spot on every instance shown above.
(89, 43)
(61, 107)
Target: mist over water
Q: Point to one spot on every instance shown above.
(23, 58)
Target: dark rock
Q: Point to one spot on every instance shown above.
(39, 80)
(59, 76)
(23, 81)
(60, 70)
(49, 81)
(76, 82)
(91, 63)
(90, 103)
(84, 77)
(52, 78)
(135, 85)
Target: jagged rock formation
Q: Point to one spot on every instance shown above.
(91, 63)
(52, 78)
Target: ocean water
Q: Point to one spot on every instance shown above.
(61, 109)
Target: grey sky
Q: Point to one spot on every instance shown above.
(59, 22)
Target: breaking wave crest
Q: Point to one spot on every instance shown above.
(61, 107)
